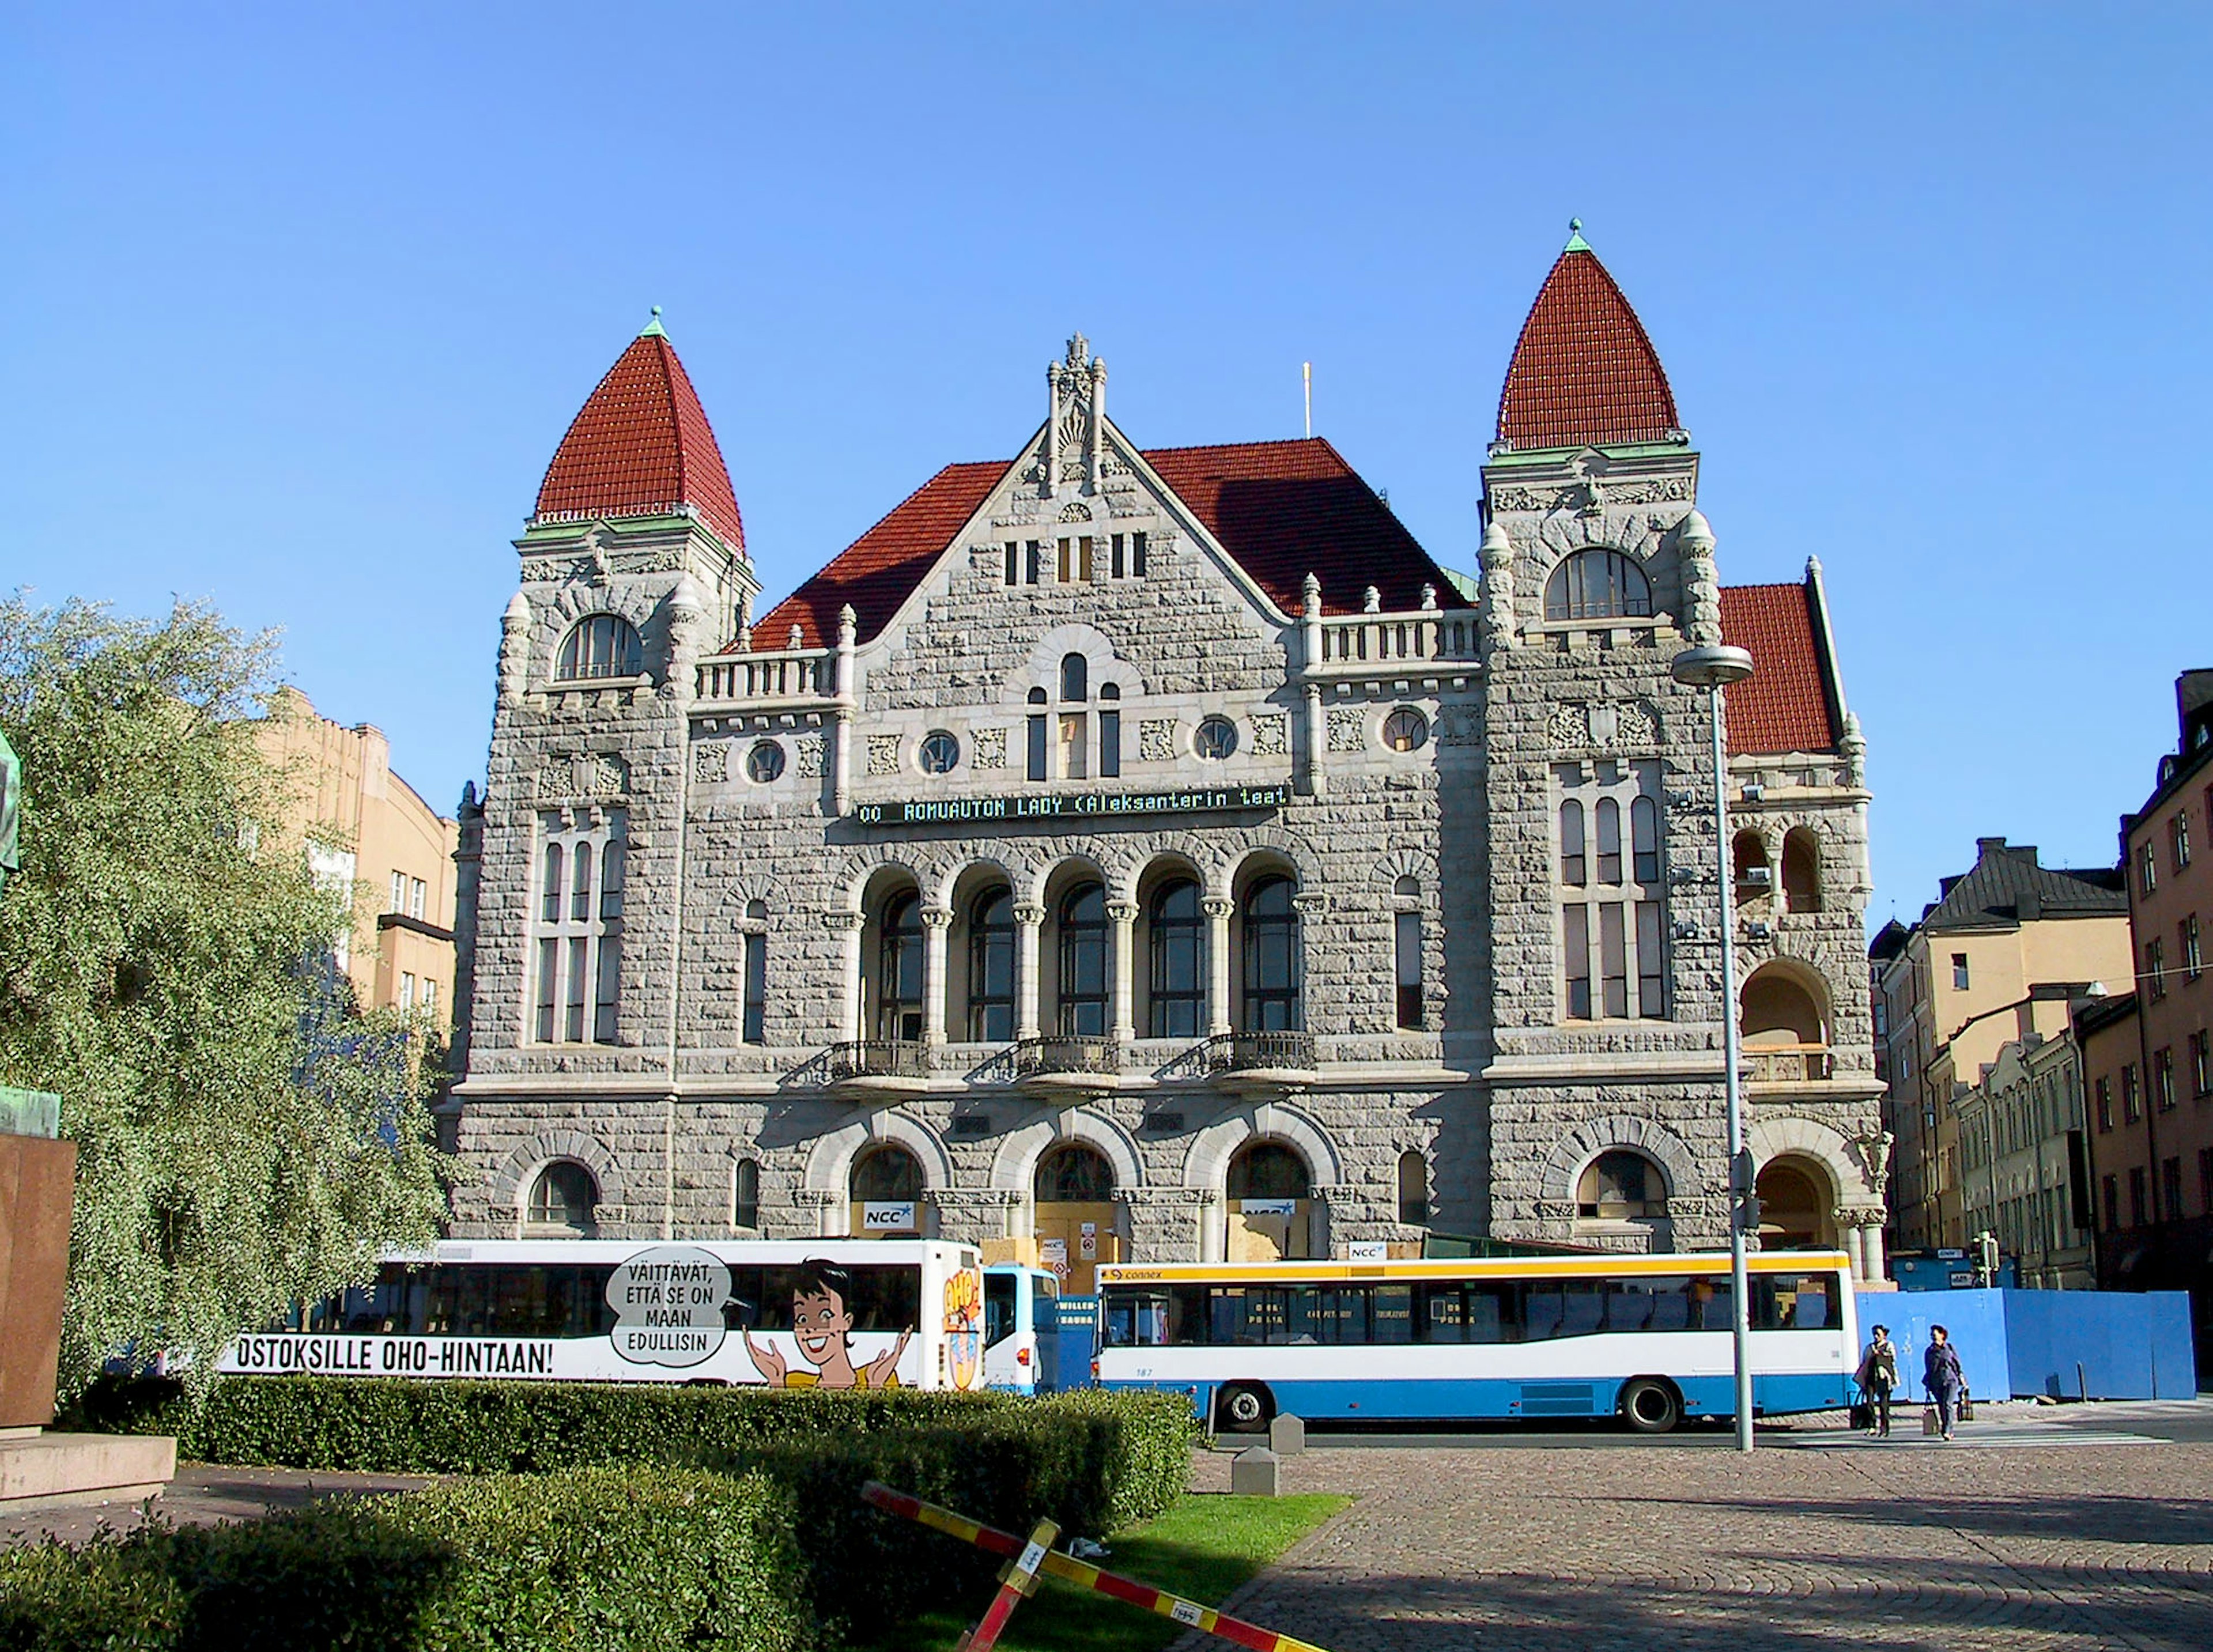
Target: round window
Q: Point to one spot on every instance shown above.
(1404, 729)
(940, 751)
(765, 761)
(1216, 739)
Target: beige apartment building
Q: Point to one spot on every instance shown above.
(367, 831)
(1998, 958)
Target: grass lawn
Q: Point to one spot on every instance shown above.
(1202, 1549)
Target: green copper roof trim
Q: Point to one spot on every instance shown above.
(1575, 241)
(1611, 449)
(652, 329)
(576, 527)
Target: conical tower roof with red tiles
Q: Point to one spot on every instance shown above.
(642, 447)
(1584, 374)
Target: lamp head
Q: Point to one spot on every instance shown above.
(1714, 667)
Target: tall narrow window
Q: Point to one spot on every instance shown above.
(1085, 983)
(1413, 1189)
(1645, 839)
(1075, 755)
(1271, 957)
(1958, 971)
(416, 890)
(579, 952)
(549, 983)
(1651, 981)
(1613, 959)
(899, 969)
(1110, 732)
(1176, 973)
(1033, 562)
(2193, 960)
(1116, 567)
(580, 888)
(1137, 555)
(1609, 841)
(991, 968)
(1575, 951)
(756, 989)
(1573, 863)
(1040, 745)
(611, 878)
(745, 1194)
(607, 1001)
(1407, 950)
(550, 899)
(1014, 563)
(2155, 967)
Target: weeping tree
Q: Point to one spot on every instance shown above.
(247, 1138)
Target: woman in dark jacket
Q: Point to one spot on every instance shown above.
(1878, 1377)
(1941, 1375)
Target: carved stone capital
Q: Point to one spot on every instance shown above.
(1218, 905)
(1122, 912)
(842, 920)
(1029, 913)
(937, 917)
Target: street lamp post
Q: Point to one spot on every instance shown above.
(1713, 668)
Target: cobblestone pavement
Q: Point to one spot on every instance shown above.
(1649, 1548)
(201, 1495)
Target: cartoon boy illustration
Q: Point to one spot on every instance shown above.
(822, 1324)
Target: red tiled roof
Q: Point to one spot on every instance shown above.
(879, 570)
(642, 446)
(1583, 372)
(1282, 509)
(1785, 705)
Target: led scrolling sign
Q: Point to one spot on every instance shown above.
(1070, 806)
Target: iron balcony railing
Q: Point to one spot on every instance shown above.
(1036, 1057)
(875, 1058)
(1242, 1052)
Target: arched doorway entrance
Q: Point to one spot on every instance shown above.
(887, 1194)
(1270, 1204)
(1075, 1192)
(1796, 1212)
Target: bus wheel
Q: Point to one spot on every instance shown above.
(1650, 1406)
(1243, 1408)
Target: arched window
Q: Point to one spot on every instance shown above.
(899, 969)
(888, 1173)
(1075, 678)
(1271, 957)
(563, 1202)
(599, 645)
(1598, 584)
(1779, 1008)
(745, 1194)
(1268, 1170)
(1801, 871)
(1073, 1174)
(1621, 1186)
(1609, 841)
(1406, 952)
(1644, 840)
(1083, 962)
(1748, 866)
(1176, 962)
(991, 967)
(550, 908)
(1413, 1189)
(1575, 866)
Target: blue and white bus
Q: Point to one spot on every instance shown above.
(1022, 1332)
(1645, 1338)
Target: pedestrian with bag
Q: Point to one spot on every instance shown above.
(1878, 1379)
(1941, 1374)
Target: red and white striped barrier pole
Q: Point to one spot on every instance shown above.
(1053, 1564)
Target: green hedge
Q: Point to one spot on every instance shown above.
(396, 1426)
(610, 1561)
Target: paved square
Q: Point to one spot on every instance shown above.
(2058, 1542)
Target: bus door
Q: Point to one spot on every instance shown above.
(1013, 1355)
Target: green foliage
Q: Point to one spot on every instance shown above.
(613, 1561)
(240, 1147)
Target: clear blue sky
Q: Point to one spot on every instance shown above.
(300, 299)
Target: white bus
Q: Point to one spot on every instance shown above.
(1644, 1338)
(818, 1313)
(1021, 1328)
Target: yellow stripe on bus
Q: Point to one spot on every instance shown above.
(1662, 1265)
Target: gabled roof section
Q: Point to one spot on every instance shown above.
(1288, 509)
(642, 447)
(1583, 372)
(880, 570)
(1281, 508)
(1786, 704)
(2007, 885)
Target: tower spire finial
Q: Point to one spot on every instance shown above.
(652, 329)
(1575, 241)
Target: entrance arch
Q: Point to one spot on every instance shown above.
(1074, 1191)
(1797, 1205)
(1271, 1196)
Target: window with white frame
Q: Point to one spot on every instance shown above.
(577, 925)
(1613, 904)
(418, 897)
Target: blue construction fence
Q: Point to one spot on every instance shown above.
(2065, 1345)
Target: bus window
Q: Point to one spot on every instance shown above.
(1671, 1304)
(999, 1293)
(1045, 1297)
(1391, 1308)
(1187, 1315)
(1444, 1313)
(1582, 1307)
(1709, 1302)
(1628, 1310)
(1136, 1321)
(1546, 1308)
(1791, 1302)
(1338, 1316)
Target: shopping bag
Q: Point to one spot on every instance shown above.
(1929, 1424)
(1966, 1407)
(1863, 1414)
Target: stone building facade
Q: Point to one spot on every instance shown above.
(1156, 854)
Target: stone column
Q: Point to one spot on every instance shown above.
(936, 922)
(1125, 914)
(823, 1210)
(847, 925)
(1028, 919)
(1310, 647)
(1217, 909)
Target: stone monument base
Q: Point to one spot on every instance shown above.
(37, 1468)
